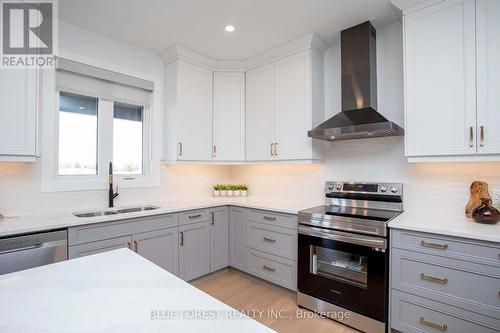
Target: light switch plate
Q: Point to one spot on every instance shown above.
(496, 198)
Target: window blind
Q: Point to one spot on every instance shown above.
(91, 81)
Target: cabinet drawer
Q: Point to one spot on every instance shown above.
(274, 240)
(469, 286)
(483, 252)
(98, 247)
(100, 231)
(272, 268)
(194, 216)
(413, 314)
(286, 221)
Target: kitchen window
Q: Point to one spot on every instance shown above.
(77, 135)
(101, 117)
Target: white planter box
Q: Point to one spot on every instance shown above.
(216, 193)
(243, 193)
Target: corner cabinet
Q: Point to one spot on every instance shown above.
(188, 113)
(451, 74)
(229, 116)
(281, 107)
(18, 104)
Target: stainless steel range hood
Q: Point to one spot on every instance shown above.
(359, 118)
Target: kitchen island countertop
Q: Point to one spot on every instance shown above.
(116, 291)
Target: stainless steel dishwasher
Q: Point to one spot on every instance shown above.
(23, 252)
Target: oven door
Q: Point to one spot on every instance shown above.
(345, 269)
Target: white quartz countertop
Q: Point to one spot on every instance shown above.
(117, 291)
(12, 225)
(457, 226)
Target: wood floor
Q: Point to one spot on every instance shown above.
(247, 294)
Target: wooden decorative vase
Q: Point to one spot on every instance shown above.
(478, 190)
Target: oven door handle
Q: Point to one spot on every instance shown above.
(344, 237)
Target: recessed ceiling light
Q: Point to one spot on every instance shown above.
(229, 28)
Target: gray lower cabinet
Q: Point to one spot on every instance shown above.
(237, 238)
(219, 238)
(194, 254)
(160, 247)
(88, 249)
(442, 283)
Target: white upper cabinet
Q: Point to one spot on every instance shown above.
(18, 109)
(260, 101)
(440, 79)
(280, 108)
(488, 76)
(188, 115)
(260, 110)
(293, 108)
(229, 116)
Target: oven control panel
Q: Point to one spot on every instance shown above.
(368, 188)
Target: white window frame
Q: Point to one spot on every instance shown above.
(53, 182)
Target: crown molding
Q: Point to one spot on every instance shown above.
(407, 6)
(309, 41)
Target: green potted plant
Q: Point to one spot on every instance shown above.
(243, 190)
(223, 190)
(217, 189)
(237, 190)
(230, 190)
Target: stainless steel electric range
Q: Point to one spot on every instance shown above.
(343, 257)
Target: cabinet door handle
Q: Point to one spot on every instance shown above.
(136, 246)
(433, 278)
(213, 217)
(434, 245)
(272, 149)
(270, 240)
(275, 149)
(180, 148)
(471, 137)
(481, 136)
(215, 150)
(442, 327)
(269, 218)
(182, 238)
(267, 268)
(195, 216)
(129, 245)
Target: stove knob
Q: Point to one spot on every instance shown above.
(394, 189)
(330, 187)
(383, 188)
(338, 187)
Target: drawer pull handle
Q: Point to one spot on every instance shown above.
(270, 240)
(129, 245)
(136, 245)
(195, 216)
(434, 245)
(433, 279)
(442, 327)
(269, 218)
(270, 269)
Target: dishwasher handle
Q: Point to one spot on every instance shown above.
(35, 246)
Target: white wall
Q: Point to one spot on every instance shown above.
(20, 183)
(427, 187)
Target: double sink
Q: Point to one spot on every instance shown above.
(116, 211)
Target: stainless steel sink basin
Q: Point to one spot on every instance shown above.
(95, 214)
(136, 209)
(116, 211)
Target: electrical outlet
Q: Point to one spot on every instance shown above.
(496, 198)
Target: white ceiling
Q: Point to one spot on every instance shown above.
(199, 24)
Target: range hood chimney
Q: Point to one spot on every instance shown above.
(359, 118)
